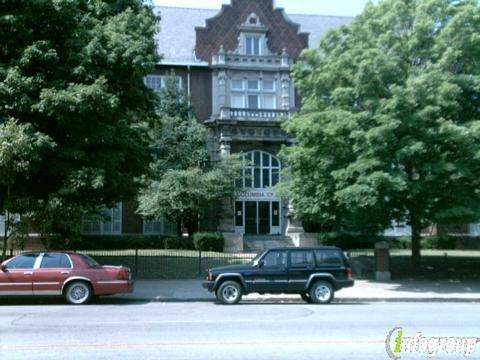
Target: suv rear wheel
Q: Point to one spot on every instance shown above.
(321, 292)
(229, 293)
(306, 298)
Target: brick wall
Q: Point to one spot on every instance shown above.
(224, 29)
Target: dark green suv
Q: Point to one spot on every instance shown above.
(315, 273)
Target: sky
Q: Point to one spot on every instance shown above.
(320, 7)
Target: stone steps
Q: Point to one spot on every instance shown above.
(258, 243)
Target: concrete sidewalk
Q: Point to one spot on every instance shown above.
(363, 291)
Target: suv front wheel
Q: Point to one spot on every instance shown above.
(321, 292)
(229, 293)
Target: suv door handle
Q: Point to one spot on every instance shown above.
(29, 273)
(65, 272)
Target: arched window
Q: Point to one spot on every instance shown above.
(261, 170)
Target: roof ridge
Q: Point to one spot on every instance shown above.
(216, 9)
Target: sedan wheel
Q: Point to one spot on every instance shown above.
(78, 292)
(321, 292)
(229, 293)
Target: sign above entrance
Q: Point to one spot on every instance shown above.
(256, 194)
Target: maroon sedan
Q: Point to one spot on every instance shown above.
(77, 277)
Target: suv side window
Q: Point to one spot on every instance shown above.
(301, 258)
(275, 259)
(328, 257)
(25, 261)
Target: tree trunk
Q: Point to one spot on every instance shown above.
(5, 236)
(179, 228)
(6, 227)
(416, 237)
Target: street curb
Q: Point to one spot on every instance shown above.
(281, 301)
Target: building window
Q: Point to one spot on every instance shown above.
(474, 229)
(253, 45)
(253, 102)
(238, 101)
(159, 227)
(14, 219)
(253, 94)
(111, 224)
(158, 82)
(237, 84)
(261, 170)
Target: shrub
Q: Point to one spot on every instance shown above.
(349, 241)
(208, 241)
(122, 242)
(443, 242)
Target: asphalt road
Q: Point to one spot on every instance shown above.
(115, 329)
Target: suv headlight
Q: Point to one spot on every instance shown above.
(210, 276)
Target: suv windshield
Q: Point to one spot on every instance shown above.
(255, 260)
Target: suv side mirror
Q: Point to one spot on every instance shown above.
(3, 267)
(261, 263)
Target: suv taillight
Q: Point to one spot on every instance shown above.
(348, 272)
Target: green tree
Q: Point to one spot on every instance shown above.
(183, 182)
(73, 71)
(20, 151)
(389, 129)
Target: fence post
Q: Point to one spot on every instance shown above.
(136, 263)
(199, 263)
(11, 252)
(382, 256)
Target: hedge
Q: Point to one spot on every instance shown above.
(208, 241)
(121, 242)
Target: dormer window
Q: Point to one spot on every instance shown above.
(253, 45)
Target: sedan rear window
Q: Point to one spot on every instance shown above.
(55, 260)
(89, 261)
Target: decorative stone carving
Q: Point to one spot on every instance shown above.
(294, 226)
(225, 145)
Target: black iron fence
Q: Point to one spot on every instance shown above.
(168, 264)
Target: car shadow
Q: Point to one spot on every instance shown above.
(293, 302)
(58, 301)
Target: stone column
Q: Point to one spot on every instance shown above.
(382, 259)
(285, 80)
(222, 88)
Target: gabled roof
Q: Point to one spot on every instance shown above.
(176, 38)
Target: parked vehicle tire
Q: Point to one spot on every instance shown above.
(321, 292)
(306, 298)
(229, 293)
(78, 293)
